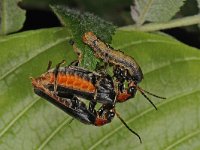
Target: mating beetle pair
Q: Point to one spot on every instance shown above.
(64, 86)
(68, 101)
(73, 83)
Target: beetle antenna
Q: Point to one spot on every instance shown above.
(144, 91)
(124, 123)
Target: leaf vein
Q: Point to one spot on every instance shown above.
(184, 138)
(43, 49)
(17, 117)
(145, 41)
(182, 94)
(145, 10)
(52, 134)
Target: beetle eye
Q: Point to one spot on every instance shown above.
(132, 90)
(111, 116)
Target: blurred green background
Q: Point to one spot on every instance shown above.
(39, 15)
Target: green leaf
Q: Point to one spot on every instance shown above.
(81, 23)
(154, 10)
(24, 55)
(198, 2)
(171, 69)
(12, 17)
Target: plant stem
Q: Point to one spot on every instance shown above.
(186, 21)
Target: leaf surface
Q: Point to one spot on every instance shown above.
(12, 17)
(79, 23)
(170, 68)
(154, 10)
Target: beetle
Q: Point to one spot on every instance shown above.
(74, 80)
(125, 68)
(76, 108)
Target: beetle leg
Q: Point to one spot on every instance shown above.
(102, 68)
(74, 63)
(105, 66)
(99, 67)
(104, 115)
(56, 70)
(120, 87)
(77, 51)
(92, 104)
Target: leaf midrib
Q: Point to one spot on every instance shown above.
(144, 12)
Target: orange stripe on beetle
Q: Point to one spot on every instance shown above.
(73, 81)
